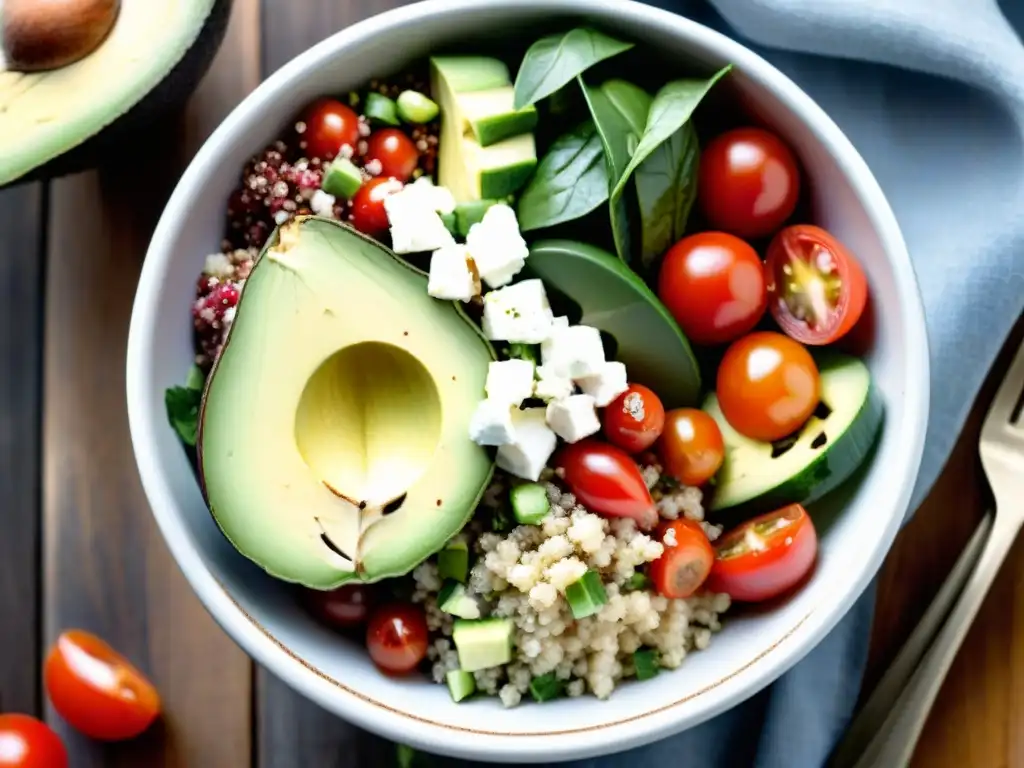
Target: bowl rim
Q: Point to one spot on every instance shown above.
(408, 727)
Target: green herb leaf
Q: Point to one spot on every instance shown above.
(666, 187)
(196, 379)
(570, 181)
(182, 405)
(553, 61)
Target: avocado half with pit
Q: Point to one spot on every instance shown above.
(334, 430)
(67, 119)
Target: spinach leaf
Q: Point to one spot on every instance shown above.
(182, 404)
(553, 61)
(570, 181)
(666, 187)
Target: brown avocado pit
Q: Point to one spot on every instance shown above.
(48, 34)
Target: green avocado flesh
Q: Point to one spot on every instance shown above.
(761, 477)
(44, 114)
(615, 300)
(334, 432)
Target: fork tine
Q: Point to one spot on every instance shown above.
(1001, 412)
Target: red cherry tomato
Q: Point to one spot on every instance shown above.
(397, 637)
(368, 214)
(29, 743)
(634, 419)
(97, 690)
(329, 126)
(691, 448)
(816, 289)
(686, 561)
(713, 284)
(766, 556)
(607, 481)
(768, 386)
(748, 183)
(346, 606)
(395, 151)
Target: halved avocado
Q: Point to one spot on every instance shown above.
(334, 430)
(615, 300)
(759, 477)
(64, 120)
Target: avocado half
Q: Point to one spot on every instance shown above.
(334, 429)
(65, 120)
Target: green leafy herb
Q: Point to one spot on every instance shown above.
(196, 379)
(546, 687)
(666, 187)
(646, 661)
(553, 61)
(637, 581)
(517, 351)
(570, 181)
(182, 405)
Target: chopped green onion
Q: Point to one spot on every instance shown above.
(637, 581)
(646, 663)
(414, 107)
(586, 595)
(342, 178)
(380, 109)
(546, 687)
(530, 503)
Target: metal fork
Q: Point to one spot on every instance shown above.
(1001, 446)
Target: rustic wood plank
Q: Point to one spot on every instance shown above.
(106, 566)
(21, 334)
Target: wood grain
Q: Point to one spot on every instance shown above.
(21, 335)
(106, 566)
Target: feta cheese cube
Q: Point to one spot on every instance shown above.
(573, 352)
(413, 217)
(496, 246)
(491, 423)
(437, 198)
(322, 204)
(509, 381)
(534, 442)
(573, 418)
(606, 384)
(518, 313)
(550, 386)
(451, 276)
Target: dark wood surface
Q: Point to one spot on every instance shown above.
(78, 547)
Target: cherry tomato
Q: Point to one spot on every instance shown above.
(816, 289)
(329, 126)
(766, 556)
(395, 151)
(634, 419)
(368, 214)
(29, 743)
(748, 183)
(397, 637)
(97, 690)
(691, 448)
(713, 284)
(607, 481)
(346, 606)
(768, 386)
(686, 561)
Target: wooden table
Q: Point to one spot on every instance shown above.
(78, 547)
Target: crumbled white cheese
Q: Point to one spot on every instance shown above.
(518, 313)
(496, 246)
(322, 204)
(607, 383)
(531, 447)
(550, 386)
(491, 423)
(437, 198)
(413, 217)
(509, 381)
(573, 352)
(573, 418)
(218, 265)
(451, 276)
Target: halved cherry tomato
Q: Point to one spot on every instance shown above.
(686, 561)
(816, 289)
(396, 637)
(368, 214)
(748, 182)
(329, 125)
(768, 386)
(691, 448)
(713, 284)
(766, 556)
(607, 481)
(634, 420)
(26, 742)
(396, 153)
(97, 690)
(346, 606)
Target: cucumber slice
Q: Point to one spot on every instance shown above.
(380, 109)
(469, 213)
(414, 107)
(342, 179)
(453, 600)
(586, 595)
(453, 562)
(530, 503)
(828, 449)
(461, 684)
(484, 643)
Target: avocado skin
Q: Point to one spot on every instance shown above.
(170, 94)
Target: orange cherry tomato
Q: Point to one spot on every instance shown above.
(97, 690)
(768, 386)
(26, 742)
(634, 420)
(397, 637)
(691, 448)
(686, 561)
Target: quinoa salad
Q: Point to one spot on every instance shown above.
(523, 371)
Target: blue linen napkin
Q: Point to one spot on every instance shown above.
(931, 92)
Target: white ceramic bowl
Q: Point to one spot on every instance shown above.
(857, 524)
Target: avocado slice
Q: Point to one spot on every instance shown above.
(334, 431)
(63, 120)
(616, 301)
(759, 477)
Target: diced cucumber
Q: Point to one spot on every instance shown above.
(449, 222)
(529, 352)
(586, 595)
(453, 561)
(380, 109)
(646, 663)
(530, 503)
(454, 600)
(469, 213)
(483, 643)
(461, 684)
(342, 178)
(414, 107)
(546, 687)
